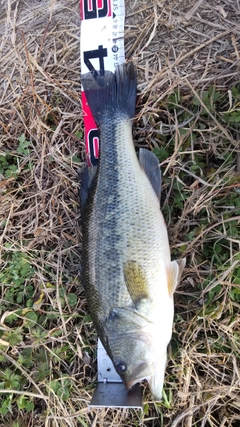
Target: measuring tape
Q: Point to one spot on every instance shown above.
(102, 48)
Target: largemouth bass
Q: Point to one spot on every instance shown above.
(128, 274)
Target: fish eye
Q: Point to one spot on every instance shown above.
(121, 367)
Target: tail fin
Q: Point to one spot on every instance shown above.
(112, 93)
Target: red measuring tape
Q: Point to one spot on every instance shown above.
(102, 48)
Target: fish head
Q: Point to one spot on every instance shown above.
(137, 349)
(132, 357)
(135, 359)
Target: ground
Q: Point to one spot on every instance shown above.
(187, 57)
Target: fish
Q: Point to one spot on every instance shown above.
(128, 276)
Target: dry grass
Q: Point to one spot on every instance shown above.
(181, 48)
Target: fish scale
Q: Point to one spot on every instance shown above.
(119, 209)
(128, 275)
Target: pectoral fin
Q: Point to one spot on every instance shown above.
(174, 272)
(150, 164)
(136, 281)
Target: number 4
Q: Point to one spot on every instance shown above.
(100, 54)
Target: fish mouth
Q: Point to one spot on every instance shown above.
(142, 372)
(130, 384)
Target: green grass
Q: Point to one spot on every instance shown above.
(47, 341)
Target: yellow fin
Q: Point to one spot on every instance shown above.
(136, 281)
(174, 272)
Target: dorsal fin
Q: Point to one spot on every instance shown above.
(86, 176)
(150, 164)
